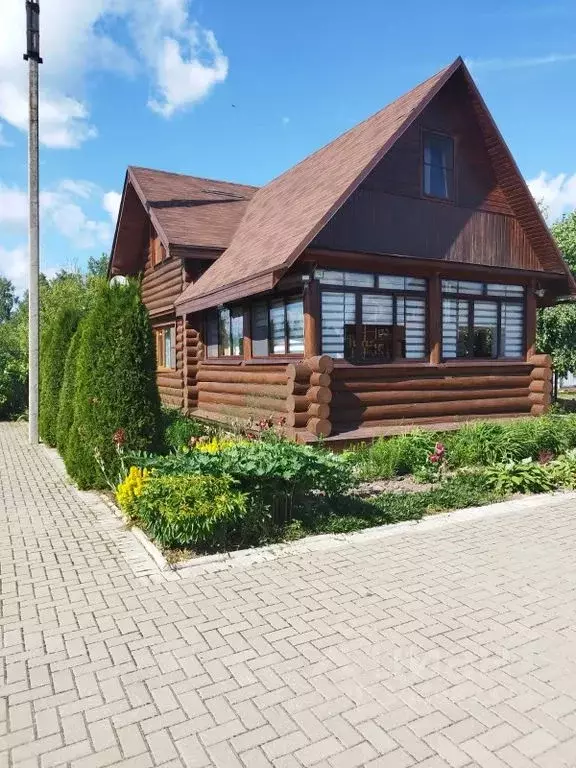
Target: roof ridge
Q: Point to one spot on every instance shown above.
(191, 176)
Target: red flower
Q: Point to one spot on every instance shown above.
(440, 449)
(544, 457)
(434, 458)
(119, 437)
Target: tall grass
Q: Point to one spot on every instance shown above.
(475, 444)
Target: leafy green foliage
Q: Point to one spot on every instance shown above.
(115, 386)
(13, 374)
(525, 476)
(52, 364)
(389, 457)
(349, 513)
(564, 232)
(67, 390)
(8, 300)
(557, 336)
(191, 510)
(178, 430)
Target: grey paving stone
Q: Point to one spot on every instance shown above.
(450, 643)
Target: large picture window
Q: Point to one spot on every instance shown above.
(225, 332)
(438, 166)
(372, 318)
(278, 327)
(482, 320)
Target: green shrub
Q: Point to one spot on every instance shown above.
(53, 359)
(191, 510)
(67, 390)
(392, 456)
(116, 392)
(178, 429)
(477, 443)
(13, 373)
(526, 476)
(277, 474)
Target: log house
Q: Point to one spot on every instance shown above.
(391, 278)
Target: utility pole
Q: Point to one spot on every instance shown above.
(32, 56)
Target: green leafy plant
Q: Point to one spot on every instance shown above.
(67, 390)
(526, 476)
(178, 430)
(190, 510)
(388, 457)
(115, 386)
(57, 338)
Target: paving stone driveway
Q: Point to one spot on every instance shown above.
(448, 647)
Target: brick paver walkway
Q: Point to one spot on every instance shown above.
(447, 647)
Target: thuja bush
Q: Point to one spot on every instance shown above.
(66, 400)
(53, 359)
(116, 402)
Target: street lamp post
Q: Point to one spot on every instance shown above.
(32, 56)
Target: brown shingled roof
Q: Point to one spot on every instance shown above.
(284, 216)
(189, 210)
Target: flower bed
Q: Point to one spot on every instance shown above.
(225, 491)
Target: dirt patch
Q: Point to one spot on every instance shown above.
(397, 485)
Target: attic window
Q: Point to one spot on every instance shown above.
(438, 166)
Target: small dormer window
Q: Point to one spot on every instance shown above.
(438, 166)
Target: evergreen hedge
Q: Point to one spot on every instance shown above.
(53, 358)
(116, 392)
(66, 402)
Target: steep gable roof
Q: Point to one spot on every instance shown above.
(185, 211)
(284, 216)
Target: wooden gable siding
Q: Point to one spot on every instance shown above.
(161, 285)
(388, 213)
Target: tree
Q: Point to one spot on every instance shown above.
(564, 231)
(8, 299)
(55, 350)
(116, 398)
(98, 265)
(557, 325)
(66, 401)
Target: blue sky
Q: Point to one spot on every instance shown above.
(241, 91)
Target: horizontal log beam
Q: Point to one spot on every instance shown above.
(244, 401)
(409, 410)
(430, 384)
(276, 391)
(425, 370)
(350, 399)
(206, 373)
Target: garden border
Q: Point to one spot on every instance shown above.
(323, 542)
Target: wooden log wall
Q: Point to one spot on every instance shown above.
(373, 395)
(193, 356)
(540, 384)
(171, 381)
(241, 391)
(310, 395)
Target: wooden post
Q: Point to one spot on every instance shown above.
(311, 318)
(435, 319)
(247, 333)
(531, 310)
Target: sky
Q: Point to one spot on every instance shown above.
(242, 90)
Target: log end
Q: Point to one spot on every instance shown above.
(319, 427)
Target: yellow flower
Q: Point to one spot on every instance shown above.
(131, 488)
(217, 444)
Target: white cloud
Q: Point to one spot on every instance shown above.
(184, 80)
(13, 207)
(61, 207)
(499, 64)
(557, 194)
(14, 266)
(111, 204)
(181, 59)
